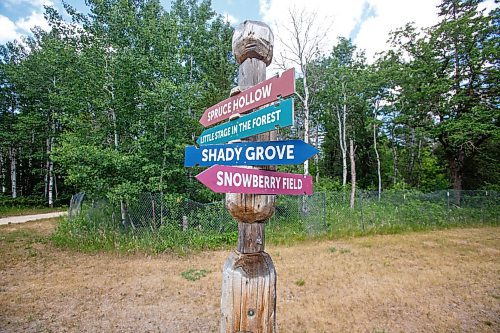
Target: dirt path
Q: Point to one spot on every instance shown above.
(27, 218)
(441, 281)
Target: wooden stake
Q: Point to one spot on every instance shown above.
(248, 302)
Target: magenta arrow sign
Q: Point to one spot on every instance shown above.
(263, 93)
(227, 179)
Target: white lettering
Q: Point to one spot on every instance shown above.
(267, 90)
(289, 152)
(212, 154)
(270, 152)
(260, 153)
(258, 95)
(237, 179)
(228, 179)
(250, 154)
(247, 180)
(219, 177)
(255, 182)
(220, 157)
(238, 150)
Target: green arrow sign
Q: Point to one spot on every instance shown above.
(260, 121)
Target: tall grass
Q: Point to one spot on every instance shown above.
(211, 227)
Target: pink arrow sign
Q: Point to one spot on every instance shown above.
(258, 95)
(226, 179)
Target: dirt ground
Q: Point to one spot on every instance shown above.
(440, 281)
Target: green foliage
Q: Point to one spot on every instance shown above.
(107, 103)
(300, 282)
(97, 233)
(117, 94)
(29, 205)
(450, 97)
(210, 227)
(407, 211)
(194, 274)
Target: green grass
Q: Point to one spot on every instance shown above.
(194, 274)
(88, 236)
(300, 282)
(212, 228)
(20, 243)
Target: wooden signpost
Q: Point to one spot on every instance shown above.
(226, 179)
(248, 302)
(258, 95)
(257, 122)
(250, 153)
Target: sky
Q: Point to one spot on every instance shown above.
(366, 22)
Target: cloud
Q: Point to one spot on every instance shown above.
(331, 19)
(8, 31)
(368, 22)
(31, 3)
(393, 14)
(35, 19)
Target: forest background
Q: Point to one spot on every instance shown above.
(106, 102)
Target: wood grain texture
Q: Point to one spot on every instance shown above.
(249, 294)
(248, 302)
(251, 237)
(252, 208)
(252, 39)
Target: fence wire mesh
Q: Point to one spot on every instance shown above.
(157, 215)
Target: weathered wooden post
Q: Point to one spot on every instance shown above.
(248, 302)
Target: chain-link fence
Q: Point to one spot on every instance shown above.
(393, 210)
(321, 213)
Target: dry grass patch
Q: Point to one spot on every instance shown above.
(441, 281)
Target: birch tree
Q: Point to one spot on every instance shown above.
(301, 39)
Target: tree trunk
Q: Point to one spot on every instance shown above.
(411, 164)
(419, 163)
(20, 167)
(316, 157)
(115, 129)
(378, 161)
(2, 172)
(394, 158)
(343, 147)
(13, 171)
(50, 172)
(112, 113)
(353, 173)
(47, 168)
(456, 169)
(342, 133)
(306, 115)
(51, 184)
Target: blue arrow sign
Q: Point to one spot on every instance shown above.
(250, 153)
(260, 121)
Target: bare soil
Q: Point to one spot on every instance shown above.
(439, 281)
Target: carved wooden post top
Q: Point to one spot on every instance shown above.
(253, 39)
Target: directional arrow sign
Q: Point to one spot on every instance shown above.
(226, 179)
(250, 153)
(260, 121)
(258, 95)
